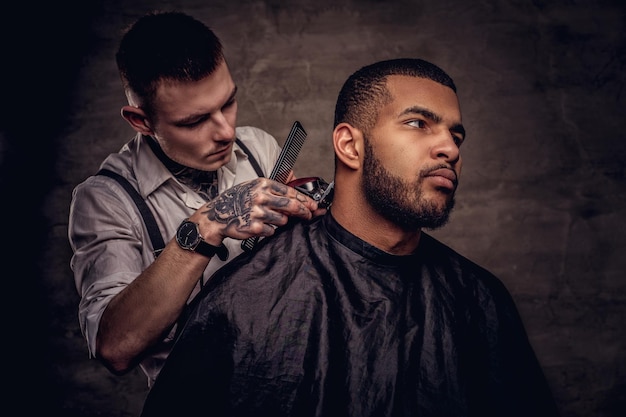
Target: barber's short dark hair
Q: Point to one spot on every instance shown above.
(365, 91)
(166, 45)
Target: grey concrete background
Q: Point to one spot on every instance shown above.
(542, 198)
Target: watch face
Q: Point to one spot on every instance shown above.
(187, 235)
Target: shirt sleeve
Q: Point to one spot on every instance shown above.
(105, 233)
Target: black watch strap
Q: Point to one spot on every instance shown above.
(209, 250)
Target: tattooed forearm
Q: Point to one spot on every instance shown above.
(233, 206)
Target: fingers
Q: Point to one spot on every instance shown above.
(289, 201)
(256, 207)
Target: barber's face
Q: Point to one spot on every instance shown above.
(195, 121)
(412, 161)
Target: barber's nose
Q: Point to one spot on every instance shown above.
(224, 130)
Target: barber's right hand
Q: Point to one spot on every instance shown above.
(252, 208)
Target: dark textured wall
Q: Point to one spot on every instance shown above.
(542, 198)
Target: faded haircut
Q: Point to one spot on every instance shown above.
(365, 91)
(165, 45)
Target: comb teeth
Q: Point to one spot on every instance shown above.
(284, 164)
(289, 153)
(248, 244)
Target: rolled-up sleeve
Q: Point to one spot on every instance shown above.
(105, 234)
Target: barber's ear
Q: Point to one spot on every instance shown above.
(348, 143)
(137, 119)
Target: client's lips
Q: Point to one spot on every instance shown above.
(445, 177)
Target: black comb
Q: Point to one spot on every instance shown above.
(289, 154)
(284, 165)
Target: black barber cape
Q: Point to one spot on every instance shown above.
(316, 322)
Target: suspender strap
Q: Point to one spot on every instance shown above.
(253, 161)
(153, 228)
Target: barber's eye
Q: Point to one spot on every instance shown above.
(230, 103)
(192, 125)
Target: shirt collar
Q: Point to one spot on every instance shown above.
(149, 170)
(152, 173)
(361, 247)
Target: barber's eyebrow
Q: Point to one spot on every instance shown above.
(232, 95)
(455, 128)
(194, 117)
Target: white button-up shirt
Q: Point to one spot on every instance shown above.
(110, 241)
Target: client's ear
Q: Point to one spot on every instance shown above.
(348, 144)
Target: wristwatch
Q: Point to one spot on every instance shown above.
(189, 238)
